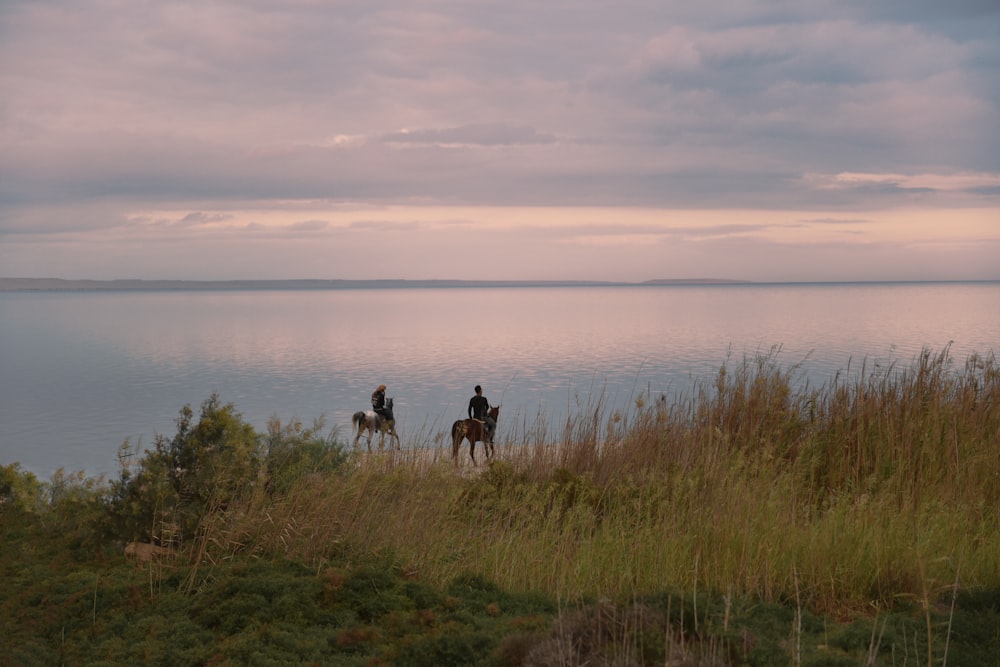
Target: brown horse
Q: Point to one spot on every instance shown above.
(474, 431)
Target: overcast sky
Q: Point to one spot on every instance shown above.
(470, 139)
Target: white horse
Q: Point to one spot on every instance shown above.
(371, 421)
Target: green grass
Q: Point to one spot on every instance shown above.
(748, 523)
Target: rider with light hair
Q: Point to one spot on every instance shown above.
(378, 402)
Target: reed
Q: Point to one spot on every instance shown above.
(866, 492)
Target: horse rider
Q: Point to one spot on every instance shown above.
(378, 402)
(479, 408)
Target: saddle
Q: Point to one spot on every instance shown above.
(487, 431)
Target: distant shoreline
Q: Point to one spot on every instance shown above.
(65, 285)
(70, 285)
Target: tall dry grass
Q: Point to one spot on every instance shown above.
(877, 487)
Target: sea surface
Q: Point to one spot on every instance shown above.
(82, 372)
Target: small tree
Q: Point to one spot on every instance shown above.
(202, 469)
(19, 489)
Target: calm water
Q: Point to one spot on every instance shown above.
(81, 372)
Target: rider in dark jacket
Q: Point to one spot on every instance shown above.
(479, 408)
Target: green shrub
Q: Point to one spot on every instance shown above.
(209, 466)
(19, 489)
(292, 452)
(203, 468)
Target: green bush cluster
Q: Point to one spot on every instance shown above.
(19, 489)
(207, 466)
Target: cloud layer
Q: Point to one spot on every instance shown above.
(626, 140)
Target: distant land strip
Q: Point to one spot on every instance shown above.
(65, 285)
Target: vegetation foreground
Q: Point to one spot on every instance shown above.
(748, 523)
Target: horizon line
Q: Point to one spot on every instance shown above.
(83, 284)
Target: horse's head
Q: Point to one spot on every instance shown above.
(494, 412)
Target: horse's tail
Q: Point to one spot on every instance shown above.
(357, 420)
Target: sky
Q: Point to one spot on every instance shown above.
(470, 139)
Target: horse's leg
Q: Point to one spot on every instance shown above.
(458, 433)
(475, 433)
(488, 440)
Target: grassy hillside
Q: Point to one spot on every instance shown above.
(746, 523)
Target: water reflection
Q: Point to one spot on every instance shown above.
(82, 372)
